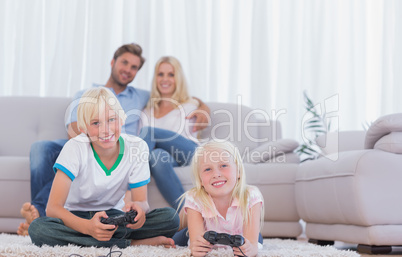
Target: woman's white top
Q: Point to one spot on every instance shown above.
(174, 121)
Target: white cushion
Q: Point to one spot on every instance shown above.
(268, 150)
(390, 143)
(381, 127)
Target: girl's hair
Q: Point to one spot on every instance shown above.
(180, 95)
(93, 101)
(241, 189)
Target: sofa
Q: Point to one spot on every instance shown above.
(270, 162)
(353, 192)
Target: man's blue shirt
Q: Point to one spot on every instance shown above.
(132, 100)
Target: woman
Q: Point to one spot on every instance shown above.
(166, 130)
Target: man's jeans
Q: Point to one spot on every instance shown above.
(43, 155)
(52, 231)
(167, 150)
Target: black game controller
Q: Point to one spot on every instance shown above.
(126, 218)
(224, 239)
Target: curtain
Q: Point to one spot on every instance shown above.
(346, 54)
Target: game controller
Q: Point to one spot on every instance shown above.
(126, 218)
(224, 239)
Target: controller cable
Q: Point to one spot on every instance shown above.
(241, 251)
(110, 252)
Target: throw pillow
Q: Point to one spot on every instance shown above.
(272, 149)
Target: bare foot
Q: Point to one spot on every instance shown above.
(23, 229)
(29, 212)
(159, 240)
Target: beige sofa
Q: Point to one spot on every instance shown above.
(271, 166)
(353, 193)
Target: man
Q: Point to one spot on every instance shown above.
(126, 62)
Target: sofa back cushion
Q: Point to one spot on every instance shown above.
(29, 119)
(244, 127)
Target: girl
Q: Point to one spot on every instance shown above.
(169, 135)
(221, 201)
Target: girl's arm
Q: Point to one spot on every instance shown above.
(198, 245)
(251, 233)
(139, 203)
(55, 208)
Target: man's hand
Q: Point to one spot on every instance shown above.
(202, 116)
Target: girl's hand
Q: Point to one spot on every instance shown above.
(140, 218)
(200, 247)
(98, 230)
(247, 249)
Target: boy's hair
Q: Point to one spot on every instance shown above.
(133, 48)
(180, 94)
(241, 189)
(94, 100)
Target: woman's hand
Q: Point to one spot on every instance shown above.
(247, 249)
(200, 246)
(98, 230)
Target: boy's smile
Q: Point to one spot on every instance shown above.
(104, 129)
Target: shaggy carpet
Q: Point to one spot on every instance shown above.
(14, 245)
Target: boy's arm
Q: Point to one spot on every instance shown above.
(139, 203)
(198, 245)
(55, 208)
(202, 115)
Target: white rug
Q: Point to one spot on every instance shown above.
(14, 245)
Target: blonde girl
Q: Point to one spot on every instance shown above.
(221, 201)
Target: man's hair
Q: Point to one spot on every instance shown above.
(93, 102)
(133, 48)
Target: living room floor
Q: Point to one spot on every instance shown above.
(353, 247)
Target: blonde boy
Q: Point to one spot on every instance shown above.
(93, 172)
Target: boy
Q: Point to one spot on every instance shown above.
(93, 172)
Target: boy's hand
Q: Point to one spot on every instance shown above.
(200, 247)
(247, 248)
(139, 219)
(98, 230)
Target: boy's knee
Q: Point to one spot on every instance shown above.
(35, 230)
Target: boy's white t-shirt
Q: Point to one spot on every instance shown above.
(95, 188)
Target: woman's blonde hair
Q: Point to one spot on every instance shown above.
(241, 189)
(180, 94)
(93, 101)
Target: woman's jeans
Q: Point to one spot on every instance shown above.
(52, 231)
(43, 155)
(167, 150)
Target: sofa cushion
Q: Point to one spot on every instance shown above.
(32, 119)
(381, 127)
(390, 143)
(268, 150)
